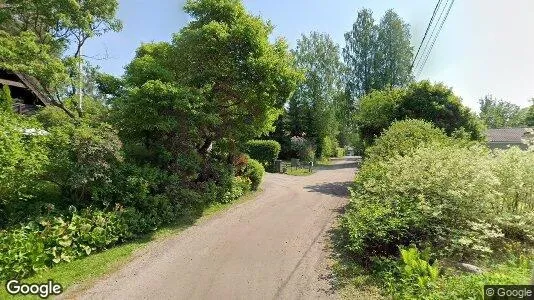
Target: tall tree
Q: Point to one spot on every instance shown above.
(394, 52)
(314, 105)
(220, 82)
(359, 54)
(377, 56)
(499, 113)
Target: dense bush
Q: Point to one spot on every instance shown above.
(403, 137)
(52, 240)
(264, 151)
(23, 159)
(328, 147)
(435, 103)
(446, 197)
(340, 152)
(82, 159)
(254, 171)
(239, 187)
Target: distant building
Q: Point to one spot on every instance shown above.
(27, 93)
(504, 138)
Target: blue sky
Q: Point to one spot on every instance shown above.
(485, 47)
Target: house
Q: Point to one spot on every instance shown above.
(27, 93)
(503, 138)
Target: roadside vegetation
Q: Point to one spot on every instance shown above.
(427, 211)
(433, 212)
(118, 163)
(194, 123)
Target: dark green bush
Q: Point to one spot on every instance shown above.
(254, 171)
(264, 151)
(82, 159)
(424, 100)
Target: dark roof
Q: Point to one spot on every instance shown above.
(506, 135)
(25, 87)
(35, 86)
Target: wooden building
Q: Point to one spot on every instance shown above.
(27, 93)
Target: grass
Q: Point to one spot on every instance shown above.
(324, 162)
(299, 172)
(81, 273)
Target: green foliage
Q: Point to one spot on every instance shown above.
(239, 187)
(109, 86)
(447, 197)
(59, 23)
(6, 102)
(513, 168)
(23, 158)
(423, 100)
(340, 152)
(314, 106)
(82, 159)
(246, 79)
(498, 113)
(377, 56)
(254, 171)
(403, 137)
(53, 240)
(328, 147)
(416, 276)
(23, 53)
(376, 112)
(529, 119)
(438, 104)
(517, 270)
(264, 151)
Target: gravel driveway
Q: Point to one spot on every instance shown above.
(273, 247)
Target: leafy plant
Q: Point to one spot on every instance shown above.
(264, 151)
(403, 137)
(440, 196)
(417, 277)
(254, 171)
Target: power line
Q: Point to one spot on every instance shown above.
(436, 37)
(426, 32)
(432, 35)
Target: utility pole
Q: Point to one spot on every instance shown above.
(80, 82)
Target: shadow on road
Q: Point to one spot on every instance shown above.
(330, 188)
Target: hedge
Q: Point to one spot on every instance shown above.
(264, 151)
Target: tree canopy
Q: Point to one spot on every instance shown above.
(378, 56)
(219, 82)
(314, 105)
(435, 103)
(499, 113)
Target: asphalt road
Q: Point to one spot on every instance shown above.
(272, 247)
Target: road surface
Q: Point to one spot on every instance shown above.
(272, 247)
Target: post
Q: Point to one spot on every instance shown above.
(80, 82)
